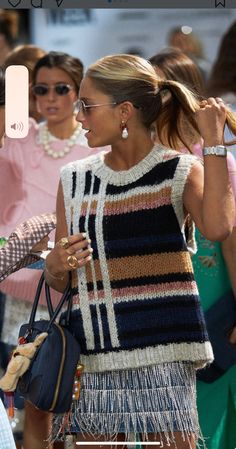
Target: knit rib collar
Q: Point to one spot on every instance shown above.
(125, 177)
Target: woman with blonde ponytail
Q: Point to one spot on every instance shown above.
(121, 230)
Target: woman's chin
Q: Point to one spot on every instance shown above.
(90, 140)
(94, 142)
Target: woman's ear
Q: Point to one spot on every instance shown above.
(126, 110)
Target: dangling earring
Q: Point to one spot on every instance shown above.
(124, 129)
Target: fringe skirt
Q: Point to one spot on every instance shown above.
(155, 399)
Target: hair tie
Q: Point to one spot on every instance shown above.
(163, 91)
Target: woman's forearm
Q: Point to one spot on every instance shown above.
(58, 282)
(218, 206)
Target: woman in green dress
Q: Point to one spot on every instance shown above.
(216, 400)
(214, 265)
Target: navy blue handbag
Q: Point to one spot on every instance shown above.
(48, 383)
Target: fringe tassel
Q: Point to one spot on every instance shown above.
(155, 399)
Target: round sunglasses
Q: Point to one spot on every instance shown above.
(60, 89)
(81, 106)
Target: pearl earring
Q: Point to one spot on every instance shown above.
(124, 133)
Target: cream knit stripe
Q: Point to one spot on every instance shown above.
(100, 329)
(199, 353)
(104, 269)
(81, 273)
(126, 297)
(185, 164)
(132, 192)
(137, 191)
(67, 190)
(179, 180)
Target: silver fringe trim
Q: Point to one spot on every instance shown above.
(155, 399)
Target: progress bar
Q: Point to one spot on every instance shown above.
(117, 443)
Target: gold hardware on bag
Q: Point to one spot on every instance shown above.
(77, 382)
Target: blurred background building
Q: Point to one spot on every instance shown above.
(93, 33)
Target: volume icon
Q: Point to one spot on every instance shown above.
(17, 101)
(17, 126)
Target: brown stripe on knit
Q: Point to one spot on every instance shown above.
(138, 202)
(134, 202)
(141, 266)
(92, 209)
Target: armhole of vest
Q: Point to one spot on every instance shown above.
(180, 178)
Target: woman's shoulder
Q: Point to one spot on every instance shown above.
(170, 154)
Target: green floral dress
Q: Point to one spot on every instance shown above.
(216, 401)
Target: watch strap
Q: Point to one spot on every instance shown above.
(219, 150)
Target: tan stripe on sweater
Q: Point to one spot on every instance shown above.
(152, 265)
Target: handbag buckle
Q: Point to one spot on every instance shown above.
(22, 340)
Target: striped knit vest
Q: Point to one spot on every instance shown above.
(137, 301)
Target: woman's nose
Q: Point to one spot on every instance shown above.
(80, 117)
(51, 94)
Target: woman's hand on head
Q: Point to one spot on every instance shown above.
(210, 118)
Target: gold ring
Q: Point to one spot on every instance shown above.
(72, 261)
(64, 242)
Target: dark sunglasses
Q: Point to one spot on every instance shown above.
(59, 89)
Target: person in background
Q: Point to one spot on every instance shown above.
(2, 106)
(27, 55)
(33, 165)
(6, 436)
(214, 268)
(9, 27)
(222, 77)
(25, 244)
(184, 39)
(223, 74)
(140, 345)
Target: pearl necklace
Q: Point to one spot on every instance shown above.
(61, 153)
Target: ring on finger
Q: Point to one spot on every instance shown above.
(72, 262)
(64, 242)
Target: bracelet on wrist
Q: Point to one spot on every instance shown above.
(218, 150)
(58, 278)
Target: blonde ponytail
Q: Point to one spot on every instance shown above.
(179, 102)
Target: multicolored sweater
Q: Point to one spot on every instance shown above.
(138, 302)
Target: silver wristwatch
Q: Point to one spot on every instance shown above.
(219, 150)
